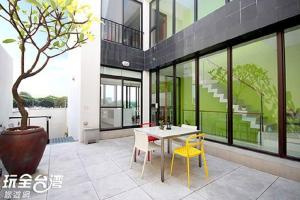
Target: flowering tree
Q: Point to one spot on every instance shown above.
(47, 28)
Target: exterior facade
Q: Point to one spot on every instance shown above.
(6, 77)
(228, 67)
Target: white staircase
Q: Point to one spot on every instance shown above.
(209, 85)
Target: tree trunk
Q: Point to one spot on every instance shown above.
(20, 103)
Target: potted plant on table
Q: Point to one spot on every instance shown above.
(45, 30)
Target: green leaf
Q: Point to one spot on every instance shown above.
(33, 2)
(56, 43)
(53, 4)
(81, 37)
(9, 40)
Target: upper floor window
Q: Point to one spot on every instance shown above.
(206, 7)
(185, 14)
(173, 16)
(122, 22)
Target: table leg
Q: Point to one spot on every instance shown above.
(169, 146)
(162, 164)
(200, 161)
(134, 154)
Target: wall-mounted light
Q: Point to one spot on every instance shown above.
(126, 63)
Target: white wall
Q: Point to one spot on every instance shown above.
(57, 123)
(84, 95)
(146, 24)
(6, 82)
(146, 77)
(146, 74)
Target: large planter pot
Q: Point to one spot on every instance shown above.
(21, 150)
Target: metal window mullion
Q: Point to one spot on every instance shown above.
(229, 96)
(281, 94)
(197, 92)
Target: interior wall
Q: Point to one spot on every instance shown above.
(146, 93)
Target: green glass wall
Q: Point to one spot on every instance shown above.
(184, 14)
(185, 93)
(208, 6)
(292, 52)
(255, 94)
(213, 95)
(166, 112)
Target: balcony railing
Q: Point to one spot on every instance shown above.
(30, 118)
(115, 32)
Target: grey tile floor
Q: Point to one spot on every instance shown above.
(101, 171)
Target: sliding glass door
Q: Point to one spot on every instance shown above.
(131, 103)
(213, 95)
(292, 63)
(111, 103)
(120, 102)
(166, 112)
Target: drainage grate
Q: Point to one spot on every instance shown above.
(62, 140)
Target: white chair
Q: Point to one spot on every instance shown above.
(181, 140)
(141, 143)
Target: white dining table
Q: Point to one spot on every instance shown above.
(165, 134)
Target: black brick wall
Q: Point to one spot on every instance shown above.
(237, 21)
(112, 54)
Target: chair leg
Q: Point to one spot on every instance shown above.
(139, 152)
(172, 163)
(132, 157)
(148, 155)
(145, 159)
(204, 162)
(188, 171)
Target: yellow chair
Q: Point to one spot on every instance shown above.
(188, 151)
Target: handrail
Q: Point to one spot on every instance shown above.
(119, 33)
(42, 116)
(36, 117)
(104, 19)
(215, 111)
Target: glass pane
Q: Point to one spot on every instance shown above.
(255, 95)
(131, 103)
(111, 118)
(111, 71)
(152, 38)
(153, 14)
(292, 52)
(132, 14)
(120, 72)
(185, 93)
(111, 91)
(153, 98)
(184, 14)
(165, 19)
(166, 94)
(213, 95)
(112, 10)
(208, 6)
(131, 74)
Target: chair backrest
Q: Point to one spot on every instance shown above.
(189, 126)
(147, 124)
(199, 140)
(141, 140)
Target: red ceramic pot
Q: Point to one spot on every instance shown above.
(21, 150)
